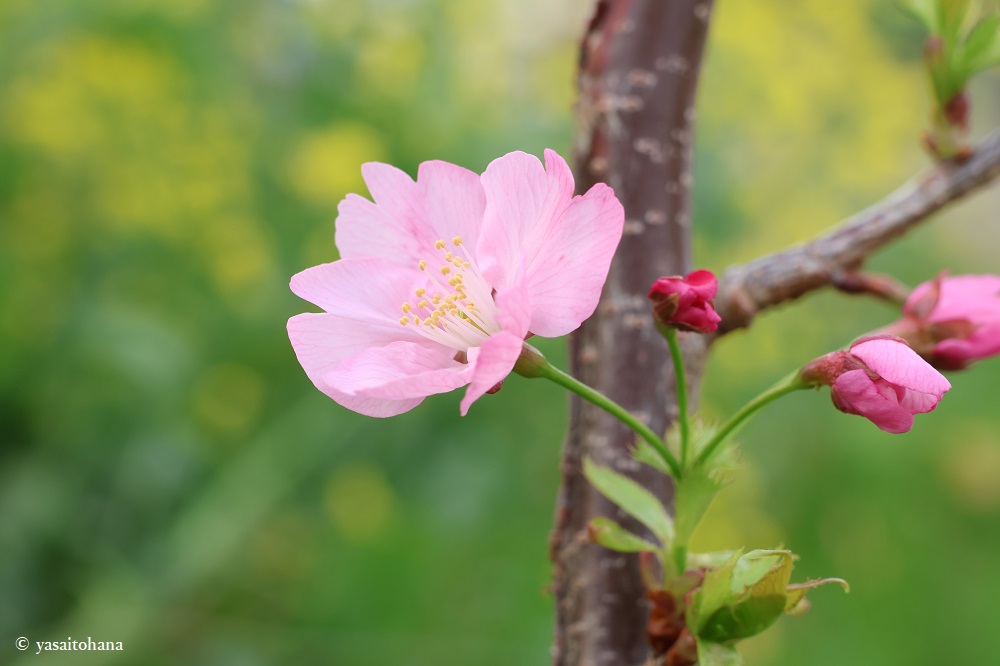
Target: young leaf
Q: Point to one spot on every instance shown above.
(692, 496)
(758, 585)
(713, 654)
(611, 535)
(715, 592)
(981, 49)
(924, 11)
(742, 597)
(633, 499)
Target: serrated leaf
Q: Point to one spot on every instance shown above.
(613, 536)
(714, 654)
(797, 604)
(644, 452)
(924, 11)
(981, 49)
(633, 499)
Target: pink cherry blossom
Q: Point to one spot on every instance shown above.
(441, 279)
(881, 379)
(685, 303)
(953, 321)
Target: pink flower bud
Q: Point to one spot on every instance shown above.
(686, 303)
(881, 379)
(953, 321)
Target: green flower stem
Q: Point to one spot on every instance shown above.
(787, 385)
(533, 364)
(682, 399)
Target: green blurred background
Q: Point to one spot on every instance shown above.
(170, 479)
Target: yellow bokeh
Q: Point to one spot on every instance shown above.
(326, 164)
(360, 502)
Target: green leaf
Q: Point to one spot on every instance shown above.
(613, 536)
(692, 496)
(758, 597)
(714, 654)
(743, 597)
(633, 499)
(981, 49)
(715, 592)
(709, 560)
(924, 11)
(952, 15)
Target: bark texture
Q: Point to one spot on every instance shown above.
(639, 65)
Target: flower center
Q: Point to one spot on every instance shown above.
(457, 310)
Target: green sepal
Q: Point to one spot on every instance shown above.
(633, 499)
(797, 604)
(611, 535)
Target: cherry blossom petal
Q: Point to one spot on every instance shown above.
(900, 365)
(567, 275)
(918, 403)
(972, 297)
(400, 371)
(495, 359)
(523, 201)
(407, 217)
(366, 288)
(492, 362)
(323, 341)
(985, 342)
(703, 283)
(857, 393)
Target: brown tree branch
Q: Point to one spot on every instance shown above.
(750, 288)
(638, 72)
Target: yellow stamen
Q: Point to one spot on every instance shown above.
(445, 270)
(406, 307)
(422, 264)
(404, 320)
(421, 292)
(456, 241)
(435, 299)
(448, 256)
(440, 244)
(423, 304)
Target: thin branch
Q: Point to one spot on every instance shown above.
(750, 288)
